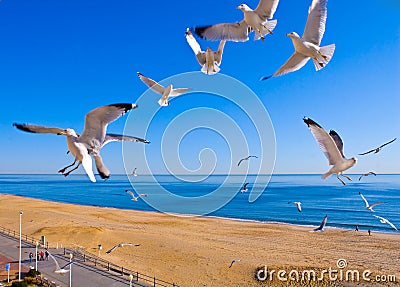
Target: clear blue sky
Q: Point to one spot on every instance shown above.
(60, 59)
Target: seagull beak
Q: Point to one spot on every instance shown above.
(238, 7)
(61, 134)
(287, 35)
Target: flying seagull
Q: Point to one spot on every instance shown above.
(366, 174)
(384, 220)
(165, 92)
(308, 46)
(298, 204)
(378, 149)
(121, 245)
(93, 138)
(233, 262)
(208, 60)
(244, 188)
(134, 172)
(246, 158)
(254, 20)
(135, 198)
(367, 206)
(322, 225)
(61, 270)
(332, 146)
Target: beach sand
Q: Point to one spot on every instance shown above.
(197, 251)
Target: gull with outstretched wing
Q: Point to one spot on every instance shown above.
(367, 206)
(121, 245)
(378, 149)
(384, 220)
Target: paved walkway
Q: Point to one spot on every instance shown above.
(82, 275)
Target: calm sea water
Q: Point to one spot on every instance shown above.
(342, 204)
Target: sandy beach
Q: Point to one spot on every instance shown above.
(197, 251)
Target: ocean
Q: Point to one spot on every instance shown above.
(220, 196)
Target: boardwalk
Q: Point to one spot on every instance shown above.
(82, 273)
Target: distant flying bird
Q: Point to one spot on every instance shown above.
(308, 46)
(378, 149)
(332, 146)
(121, 245)
(246, 158)
(366, 174)
(135, 198)
(233, 262)
(254, 20)
(322, 225)
(92, 140)
(384, 220)
(298, 204)
(244, 188)
(61, 270)
(367, 206)
(134, 173)
(208, 60)
(165, 92)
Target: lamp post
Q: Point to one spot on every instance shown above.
(130, 280)
(100, 247)
(20, 247)
(70, 270)
(36, 250)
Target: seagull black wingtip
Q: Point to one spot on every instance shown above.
(199, 31)
(310, 122)
(23, 127)
(265, 78)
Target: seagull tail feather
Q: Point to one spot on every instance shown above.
(326, 175)
(213, 71)
(267, 28)
(325, 57)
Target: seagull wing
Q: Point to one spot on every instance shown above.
(338, 141)
(69, 263)
(388, 143)
(384, 220)
(55, 261)
(129, 244)
(97, 120)
(200, 55)
(179, 91)
(315, 26)
(114, 137)
(130, 192)
(266, 8)
(101, 168)
(365, 200)
(218, 54)
(294, 63)
(156, 87)
(375, 204)
(245, 185)
(323, 223)
(237, 32)
(391, 224)
(324, 141)
(240, 161)
(112, 249)
(38, 129)
(233, 261)
(367, 152)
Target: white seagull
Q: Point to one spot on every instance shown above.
(93, 138)
(384, 220)
(367, 206)
(244, 188)
(366, 174)
(165, 92)
(233, 262)
(61, 270)
(135, 198)
(332, 146)
(246, 158)
(208, 60)
(378, 149)
(321, 227)
(121, 245)
(134, 173)
(298, 205)
(254, 20)
(308, 46)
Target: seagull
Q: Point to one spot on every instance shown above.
(246, 158)
(121, 245)
(93, 138)
(165, 92)
(135, 198)
(384, 220)
(332, 146)
(378, 149)
(233, 262)
(308, 46)
(208, 60)
(244, 188)
(134, 172)
(367, 206)
(366, 174)
(61, 270)
(254, 20)
(298, 204)
(321, 228)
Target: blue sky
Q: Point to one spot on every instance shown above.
(60, 59)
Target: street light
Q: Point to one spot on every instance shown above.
(20, 247)
(36, 251)
(100, 248)
(130, 280)
(70, 270)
